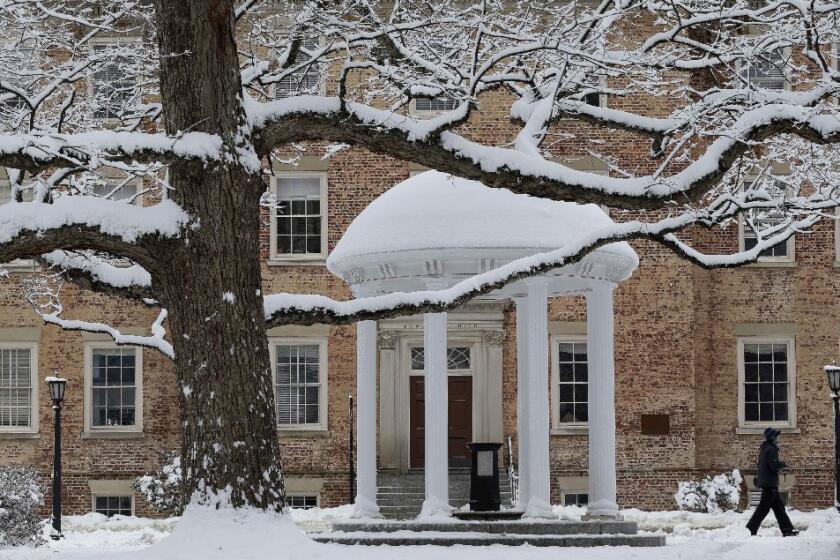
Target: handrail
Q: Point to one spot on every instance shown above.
(513, 476)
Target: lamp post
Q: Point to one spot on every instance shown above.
(833, 374)
(56, 386)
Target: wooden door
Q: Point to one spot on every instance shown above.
(460, 421)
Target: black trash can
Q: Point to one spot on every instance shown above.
(484, 477)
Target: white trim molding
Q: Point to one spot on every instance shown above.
(790, 424)
(323, 381)
(34, 384)
(110, 432)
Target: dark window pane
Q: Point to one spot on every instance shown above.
(298, 245)
(284, 226)
(581, 392)
(765, 392)
(580, 352)
(298, 226)
(313, 207)
(313, 226)
(284, 208)
(781, 410)
(566, 392)
(750, 392)
(313, 244)
(750, 352)
(581, 372)
(750, 372)
(582, 412)
(284, 244)
(765, 372)
(566, 373)
(765, 412)
(567, 412)
(298, 207)
(751, 412)
(765, 352)
(564, 352)
(780, 372)
(780, 392)
(780, 352)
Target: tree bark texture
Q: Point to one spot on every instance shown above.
(209, 279)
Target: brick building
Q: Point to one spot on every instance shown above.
(704, 360)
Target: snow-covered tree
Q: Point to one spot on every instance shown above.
(192, 98)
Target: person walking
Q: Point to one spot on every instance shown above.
(767, 478)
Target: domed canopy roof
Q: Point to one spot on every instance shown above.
(441, 228)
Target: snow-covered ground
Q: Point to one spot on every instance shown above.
(690, 536)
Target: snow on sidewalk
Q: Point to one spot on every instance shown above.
(250, 536)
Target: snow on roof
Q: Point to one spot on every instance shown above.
(435, 210)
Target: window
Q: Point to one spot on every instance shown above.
(299, 221)
(305, 80)
(575, 499)
(20, 64)
(762, 220)
(18, 388)
(302, 501)
(435, 104)
(110, 506)
(300, 383)
(113, 395)
(767, 382)
(113, 87)
(767, 71)
(570, 381)
(457, 358)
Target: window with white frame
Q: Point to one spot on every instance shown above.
(20, 64)
(306, 76)
(300, 383)
(110, 506)
(18, 388)
(299, 221)
(458, 358)
(113, 86)
(763, 220)
(575, 498)
(766, 71)
(438, 103)
(767, 381)
(113, 378)
(570, 381)
(302, 501)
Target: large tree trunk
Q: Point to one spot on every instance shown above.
(211, 283)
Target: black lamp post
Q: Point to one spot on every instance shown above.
(833, 374)
(57, 385)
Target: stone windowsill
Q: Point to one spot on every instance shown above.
(759, 430)
(771, 264)
(570, 431)
(19, 435)
(288, 433)
(23, 266)
(95, 434)
(313, 261)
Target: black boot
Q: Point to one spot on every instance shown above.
(790, 533)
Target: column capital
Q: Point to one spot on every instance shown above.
(387, 340)
(493, 337)
(601, 287)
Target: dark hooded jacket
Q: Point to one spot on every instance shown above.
(767, 471)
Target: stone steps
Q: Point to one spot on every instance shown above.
(484, 533)
(401, 495)
(483, 539)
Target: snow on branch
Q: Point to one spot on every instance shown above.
(310, 309)
(38, 150)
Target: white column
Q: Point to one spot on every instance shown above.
(539, 498)
(366, 420)
(521, 400)
(599, 339)
(436, 430)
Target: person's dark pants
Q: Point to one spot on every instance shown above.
(770, 499)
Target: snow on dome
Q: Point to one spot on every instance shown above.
(435, 210)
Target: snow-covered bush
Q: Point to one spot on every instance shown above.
(162, 489)
(713, 494)
(21, 494)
